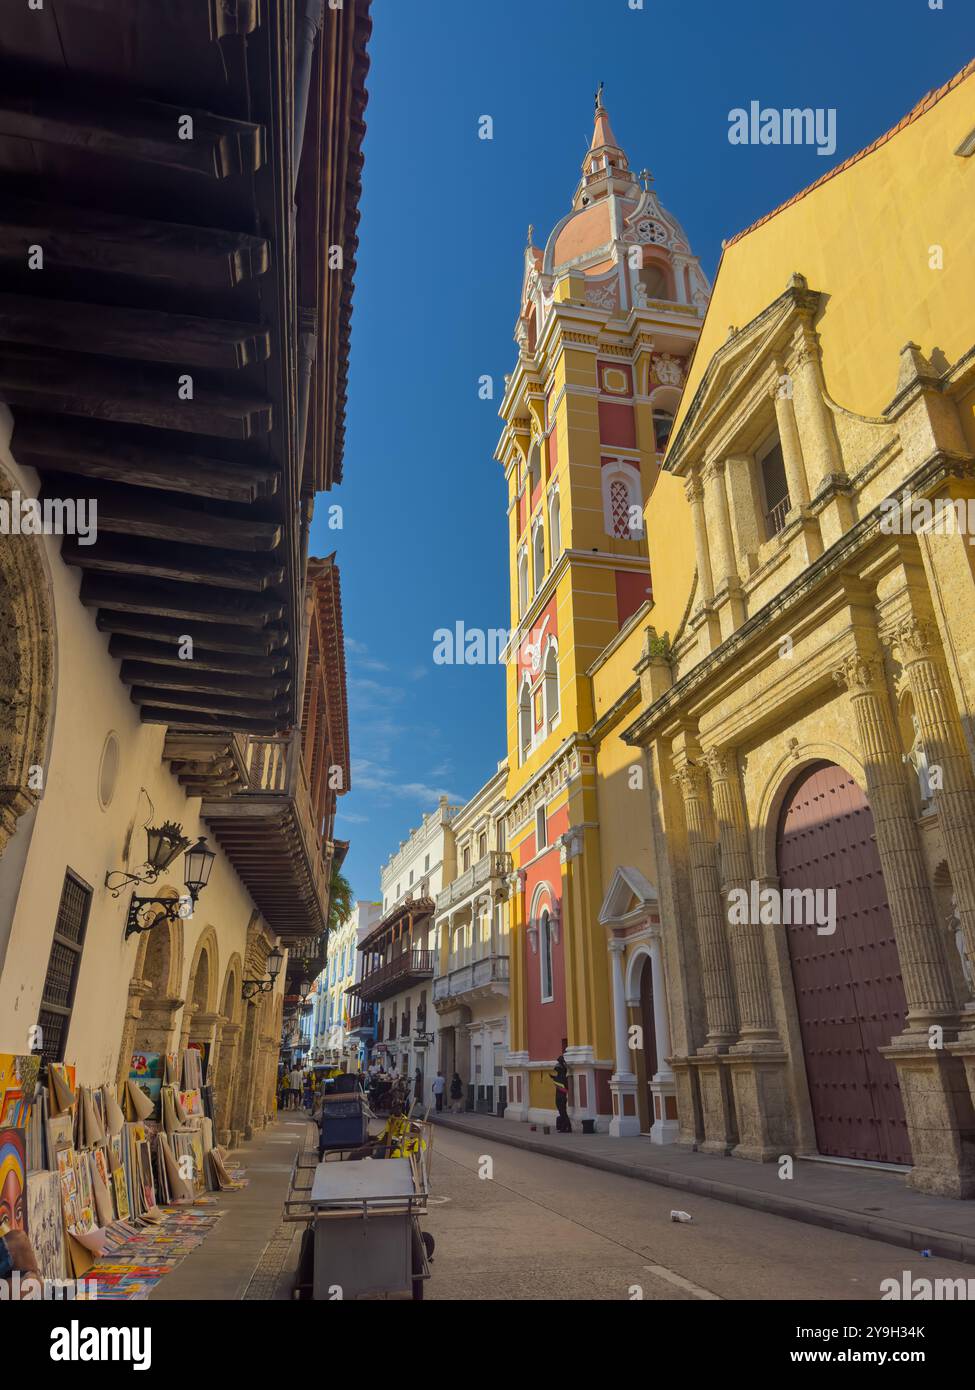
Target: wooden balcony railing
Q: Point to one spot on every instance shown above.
(396, 974)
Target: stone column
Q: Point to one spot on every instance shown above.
(746, 943)
(757, 1061)
(821, 450)
(225, 1084)
(724, 568)
(623, 1082)
(716, 981)
(795, 468)
(694, 493)
(927, 981)
(937, 1102)
(664, 1126)
(916, 640)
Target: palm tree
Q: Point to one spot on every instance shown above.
(341, 900)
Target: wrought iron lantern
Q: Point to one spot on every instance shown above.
(275, 960)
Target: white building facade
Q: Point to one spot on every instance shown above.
(400, 952)
(470, 990)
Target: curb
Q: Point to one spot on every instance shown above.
(916, 1238)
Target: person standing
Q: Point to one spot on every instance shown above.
(295, 1087)
(418, 1086)
(456, 1093)
(438, 1086)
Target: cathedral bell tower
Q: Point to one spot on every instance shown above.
(611, 308)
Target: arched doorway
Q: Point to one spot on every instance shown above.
(849, 992)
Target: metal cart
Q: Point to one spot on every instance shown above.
(363, 1237)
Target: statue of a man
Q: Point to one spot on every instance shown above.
(561, 1078)
(599, 96)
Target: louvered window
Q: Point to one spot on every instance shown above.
(61, 981)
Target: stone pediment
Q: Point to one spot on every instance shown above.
(630, 897)
(745, 351)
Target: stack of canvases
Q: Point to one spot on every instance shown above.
(81, 1170)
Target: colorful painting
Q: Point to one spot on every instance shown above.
(13, 1180)
(146, 1070)
(145, 1176)
(69, 1186)
(192, 1102)
(18, 1082)
(121, 1194)
(45, 1222)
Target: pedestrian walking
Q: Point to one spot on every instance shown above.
(456, 1093)
(438, 1086)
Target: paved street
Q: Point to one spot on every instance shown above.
(545, 1229)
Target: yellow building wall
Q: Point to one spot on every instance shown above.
(865, 238)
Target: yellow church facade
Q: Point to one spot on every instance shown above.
(741, 798)
(808, 719)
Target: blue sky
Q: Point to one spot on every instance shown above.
(444, 218)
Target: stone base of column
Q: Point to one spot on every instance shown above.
(626, 1119)
(690, 1130)
(665, 1128)
(717, 1108)
(940, 1116)
(762, 1108)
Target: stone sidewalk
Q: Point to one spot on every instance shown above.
(251, 1253)
(862, 1201)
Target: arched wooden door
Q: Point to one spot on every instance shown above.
(848, 985)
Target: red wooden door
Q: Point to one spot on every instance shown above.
(848, 985)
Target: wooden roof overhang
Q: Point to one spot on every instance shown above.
(166, 259)
(410, 912)
(275, 855)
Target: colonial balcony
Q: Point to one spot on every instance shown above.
(491, 870)
(478, 980)
(401, 972)
(363, 1021)
(270, 835)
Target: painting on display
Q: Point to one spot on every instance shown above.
(46, 1224)
(13, 1180)
(146, 1070)
(18, 1082)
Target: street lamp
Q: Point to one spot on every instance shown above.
(197, 863)
(275, 960)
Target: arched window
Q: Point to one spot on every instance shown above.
(622, 503)
(545, 956)
(551, 676)
(554, 525)
(538, 553)
(534, 469)
(663, 424)
(655, 282)
(522, 580)
(524, 721)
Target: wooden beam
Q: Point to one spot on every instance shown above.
(209, 704)
(213, 636)
(94, 450)
(162, 713)
(138, 514)
(146, 335)
(190, 678)
(186, 564)
(184, 601)
(78, 238)
(143, 131)
(70, 384)
(143, 650)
